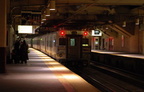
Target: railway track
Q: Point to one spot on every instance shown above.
(107, 80)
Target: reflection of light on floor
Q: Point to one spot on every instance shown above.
(58, 68)
(50, 59)
(47, 69)
(31, 76)
(52, 63)
(35, 60)
(125, 55)
(37, 53)
(39, 57)
(71, 76)
(55, 66)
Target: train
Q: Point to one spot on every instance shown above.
(76, 47)
(71, 47)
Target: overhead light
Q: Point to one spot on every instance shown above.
(47, 12)
(52, 5)
(43, 17)
(124, 24)
(137, 21)
(106, 28)
(42, 22)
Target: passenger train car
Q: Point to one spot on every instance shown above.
(70, 46)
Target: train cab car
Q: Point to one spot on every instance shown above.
(66, 46)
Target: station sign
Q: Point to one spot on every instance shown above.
(96, 33)
(27, 29)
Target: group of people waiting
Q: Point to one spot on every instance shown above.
(20, 52)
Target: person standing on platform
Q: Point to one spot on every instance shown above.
(24, 52)
(15, 51)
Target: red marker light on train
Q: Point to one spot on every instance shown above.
(85, 33)
(62, 33)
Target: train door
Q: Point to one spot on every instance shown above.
(74, 48)
(95, 43)
(111, 43)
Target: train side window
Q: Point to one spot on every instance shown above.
(62, 41)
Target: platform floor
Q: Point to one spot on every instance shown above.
(122, 54)
(42, 74)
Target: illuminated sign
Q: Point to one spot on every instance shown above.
(26, 29)
(96, 33)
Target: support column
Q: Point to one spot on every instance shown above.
(3, 17)
(142, 44)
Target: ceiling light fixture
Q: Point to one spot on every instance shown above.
(47, 12)
(43, 17)
(124, 24)
(52, 5)
(137, 21)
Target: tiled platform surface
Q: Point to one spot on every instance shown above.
(42, 74)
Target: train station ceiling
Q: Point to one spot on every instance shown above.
(80, 13)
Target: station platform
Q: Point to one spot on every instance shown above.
(122, 54)
(131, 63)
(42, 74)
